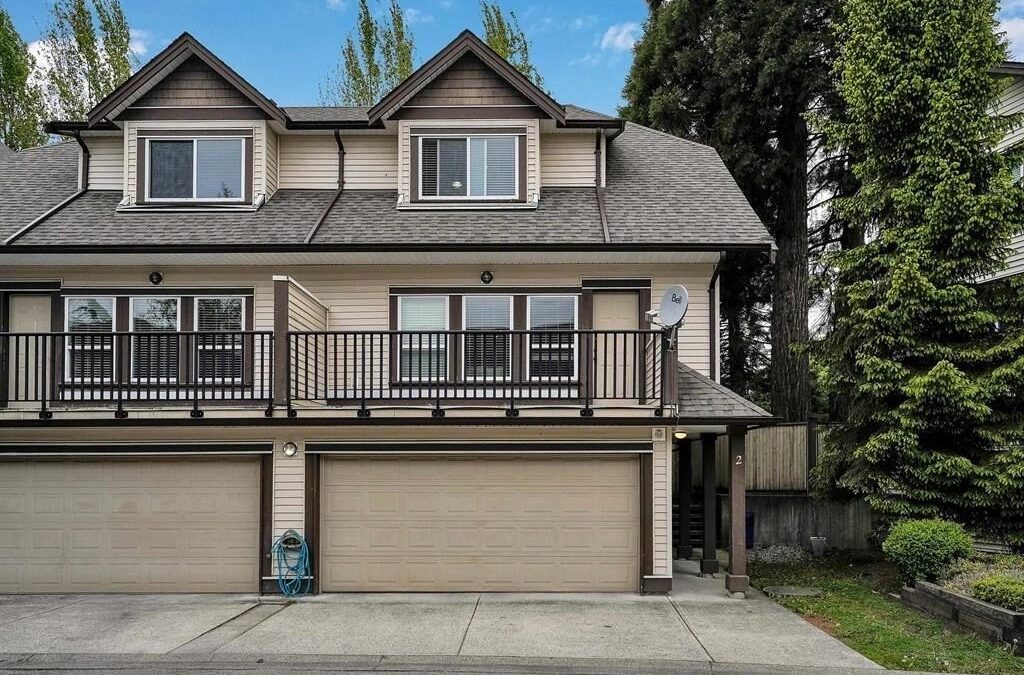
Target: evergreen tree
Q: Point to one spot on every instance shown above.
(743, 76)
(374, 59)
(21, 100)
(86, 56)
(929, 359)
(505, 36)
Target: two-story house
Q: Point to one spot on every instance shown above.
(416, 333)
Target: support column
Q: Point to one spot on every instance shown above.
(736, 581)
(684, 469)
(709, 556)
(281, 365)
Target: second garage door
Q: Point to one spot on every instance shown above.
(125, 525)
(480, 524)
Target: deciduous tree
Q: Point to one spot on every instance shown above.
(505, 36)
(21, 101)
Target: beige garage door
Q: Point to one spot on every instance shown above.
(475, 524)
(114, 525)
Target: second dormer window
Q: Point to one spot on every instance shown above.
(195, 169)
(469, 167)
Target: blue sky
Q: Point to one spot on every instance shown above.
(286, 47)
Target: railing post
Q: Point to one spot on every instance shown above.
(591, 343)
(514, 348)
(281, 367)
(43, 363)
(668, 371)
(196, 412)
(117, 353)
(267, 374)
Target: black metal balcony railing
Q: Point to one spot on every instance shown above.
(579, 367)
(122, 367)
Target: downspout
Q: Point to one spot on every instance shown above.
(598, 162)
(86, 156)
(713, 325)
(337, 193)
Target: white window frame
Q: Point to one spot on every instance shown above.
(443, 377)
(469, 169)
(68, 347)
(131, 329)
(466, 332)
(240, 347)
(575, 341)
(195, 170)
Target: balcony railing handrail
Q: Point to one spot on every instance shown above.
(514, 331)
(130, 333)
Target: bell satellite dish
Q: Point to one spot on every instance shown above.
(673, 305)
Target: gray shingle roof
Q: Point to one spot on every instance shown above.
(307, 113)
(34, 181)
(701, 397)
(662, 188)
(575, 113)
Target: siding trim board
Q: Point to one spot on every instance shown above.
(134, 449)
(477, 447)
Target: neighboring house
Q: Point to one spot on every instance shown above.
(414, 332)
(1012, 103)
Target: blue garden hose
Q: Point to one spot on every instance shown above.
(291, 556)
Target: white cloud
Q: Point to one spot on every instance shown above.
(621, 37)
(592, 59)
(138, 41)
(1014, 29)
(336, 4)
(416, 16)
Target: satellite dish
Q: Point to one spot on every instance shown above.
(673, 306)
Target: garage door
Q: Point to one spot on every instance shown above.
(113, 525)
(481, 524)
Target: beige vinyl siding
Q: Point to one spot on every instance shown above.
(289, 501)
(371, 162)
(272, 162)
(106, 162)
(532, 149)
(308, 162)
(567, 160)
(131, 129)
(1011, 102)
(1015, 261)
(662, 508)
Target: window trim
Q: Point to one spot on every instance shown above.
(195, 171)
(445, 377)
(240, 347)
(466, 331)
(467, 197)
(68, 377)
(575, 341)
(131, 329)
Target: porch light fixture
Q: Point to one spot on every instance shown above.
(290, 449)
(487, 277)
(156, 278)
(679, 435)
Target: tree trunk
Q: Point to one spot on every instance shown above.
(790, 374)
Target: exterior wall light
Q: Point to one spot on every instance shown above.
(290, 449)
(679, 435)
(487, 277)
(156, 278)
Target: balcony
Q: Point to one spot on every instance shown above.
(364, 371)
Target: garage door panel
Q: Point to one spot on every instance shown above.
(461, 524)
(123, 525)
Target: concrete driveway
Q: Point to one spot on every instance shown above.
(698, 624)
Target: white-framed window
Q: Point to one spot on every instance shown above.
(552, 355)
(469, 167)
(219, 354)
(154, 321)
(205, 169)
(487, 356)
(423, 354)
(89, 357)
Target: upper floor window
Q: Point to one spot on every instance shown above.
(195, 169)
(90, 345)
(469, 167)
(153, 322)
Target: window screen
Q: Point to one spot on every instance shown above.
(219, 353)
(552, 350)
(170, 169)
(90, 348)
(424, 349)
(154, 352)
(488, 354)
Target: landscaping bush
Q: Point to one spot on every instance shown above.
(1000, 589)
(925, 549)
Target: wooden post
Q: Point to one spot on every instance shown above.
(736, 581)
(684, 470)
(709, 556)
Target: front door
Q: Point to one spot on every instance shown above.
(27, 314)
(617, 352)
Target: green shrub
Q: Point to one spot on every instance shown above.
(925, 549)
(1000, 589)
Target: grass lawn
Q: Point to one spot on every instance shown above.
(857, 610)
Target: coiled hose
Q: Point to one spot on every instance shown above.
(292, 561)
